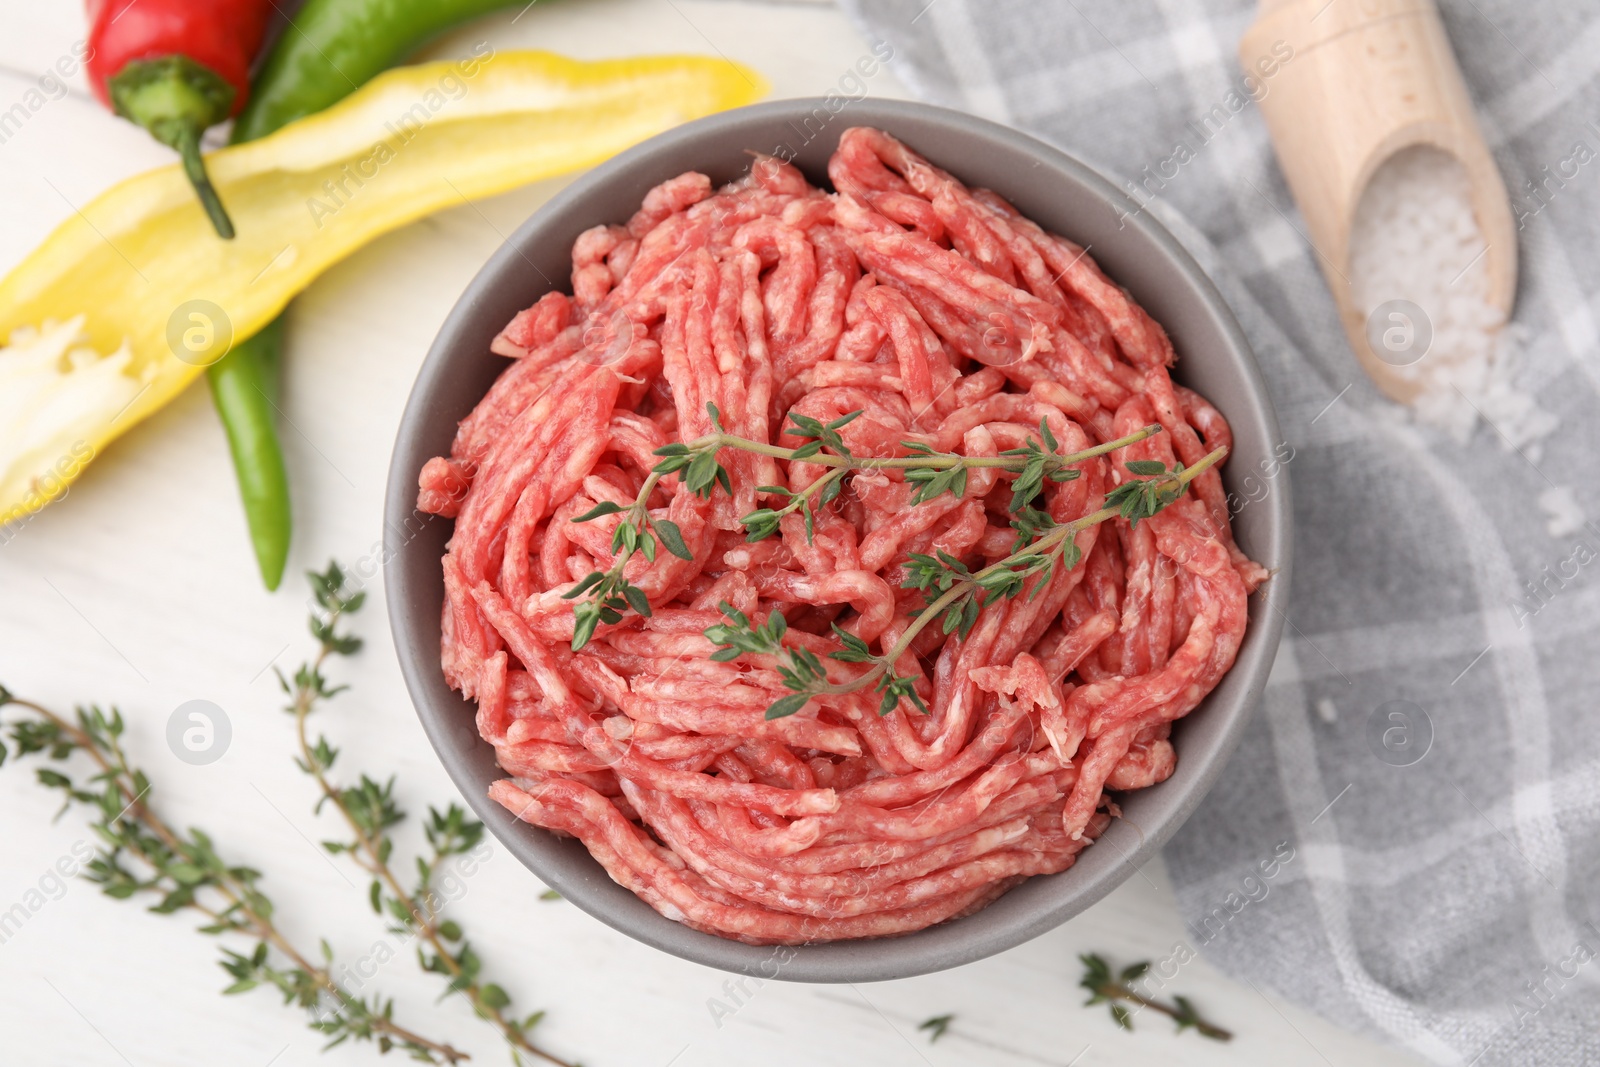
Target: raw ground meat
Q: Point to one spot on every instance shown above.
(948, 319)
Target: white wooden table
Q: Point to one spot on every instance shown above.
(138, 589)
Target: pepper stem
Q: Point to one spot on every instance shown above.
(194, 166)
(176, 99)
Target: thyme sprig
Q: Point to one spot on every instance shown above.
(1042, 545)
(762, 523)
(369, 810)
(142, 855)
(800, 668)
(608, 595)
(952, 592)
(936, 1026)
(1105, 989)
(1140, 498)
(609, 591)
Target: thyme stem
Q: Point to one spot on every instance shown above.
(1106, 988)
(372, 845)
(1048, 545)
(242, 899)
(936, 460)
(1216, 1033)
(608, 594)
(427, 918)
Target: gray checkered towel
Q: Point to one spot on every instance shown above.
(1429, 747)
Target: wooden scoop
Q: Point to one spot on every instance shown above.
(1364, 80)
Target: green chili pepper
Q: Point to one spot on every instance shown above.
(334, 46)
(331, 49)
(244, 388)
(246, 405)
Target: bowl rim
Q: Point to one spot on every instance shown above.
(849, 961)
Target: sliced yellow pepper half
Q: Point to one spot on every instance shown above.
(139, 280)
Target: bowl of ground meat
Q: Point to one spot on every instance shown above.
(820, 543)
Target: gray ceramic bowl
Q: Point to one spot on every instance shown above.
(1064, 196)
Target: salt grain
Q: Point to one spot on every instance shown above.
(1415, 239)
(1563, 514)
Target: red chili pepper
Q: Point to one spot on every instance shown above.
(176, 67)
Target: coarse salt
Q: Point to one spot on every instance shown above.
(1415, 239)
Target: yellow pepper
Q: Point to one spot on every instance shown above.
(136, 294)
